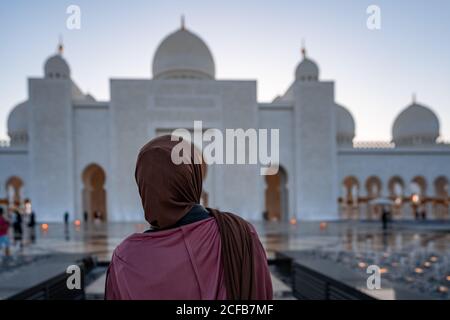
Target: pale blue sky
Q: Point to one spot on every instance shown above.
(376, 72)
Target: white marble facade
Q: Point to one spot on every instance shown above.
(62, 139)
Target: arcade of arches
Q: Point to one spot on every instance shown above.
(408, 199)
(94, 193)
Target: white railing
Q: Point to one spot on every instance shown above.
(373, 145)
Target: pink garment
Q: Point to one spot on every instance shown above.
(4, 226)
(183, 263)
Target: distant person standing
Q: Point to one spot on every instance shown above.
(385, 214)
(4, 238)
(423, 214)
(17, 227)
(32, 226)
(416, 213)
(85, 216)
(66, 218)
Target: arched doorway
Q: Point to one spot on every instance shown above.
(14, 189)
(276, 196)
(418, 186)
(397, 193)
(441, 203)
(350, 198)
(418, 189)
(374, 190)
(373, 187)
(94, 194)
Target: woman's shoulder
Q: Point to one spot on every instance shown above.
(235, 217)
(143, 241)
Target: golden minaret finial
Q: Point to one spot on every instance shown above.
(60, 46)
(303, 48)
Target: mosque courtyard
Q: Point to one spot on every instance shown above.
(414, 253)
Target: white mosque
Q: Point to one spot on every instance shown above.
(69, 152)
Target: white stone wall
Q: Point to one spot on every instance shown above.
(237, 185)
(142, 108)
(315, 150)
(51, 148)
(128, 120)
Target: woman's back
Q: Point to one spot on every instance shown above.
(180, 263)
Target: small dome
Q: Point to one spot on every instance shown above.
(307, 69)
(417, 124)
(345, 125)
(56, 67)
(183, 54)
(18, 124)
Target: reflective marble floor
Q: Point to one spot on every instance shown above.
(101, 239)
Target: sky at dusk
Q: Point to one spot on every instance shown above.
(375, 71)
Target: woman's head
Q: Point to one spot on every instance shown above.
(168, 190)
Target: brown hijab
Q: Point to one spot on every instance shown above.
(168, 191)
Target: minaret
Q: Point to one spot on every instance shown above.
(315, 146)
(51, 139)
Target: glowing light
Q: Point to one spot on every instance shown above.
(44, 227)
(427, 264)
(443, 289)
(384, 270)
(448, 278)
(293, 221)
(418, 270)
(362, 265)
(415, 198)
(323, 225)
(433, 259)
(77, 223)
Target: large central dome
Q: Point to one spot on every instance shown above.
(183, 55)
